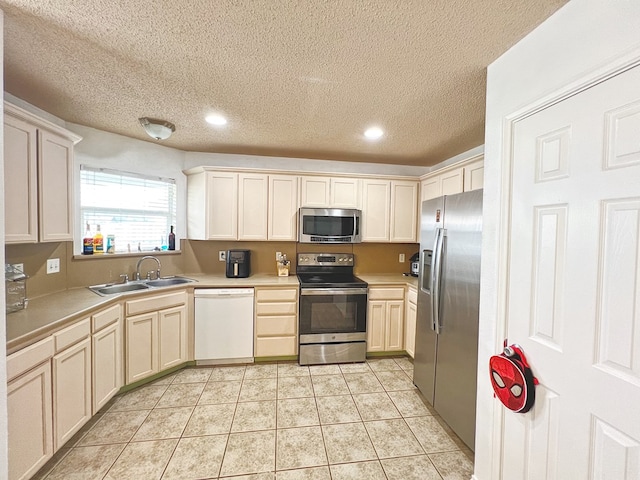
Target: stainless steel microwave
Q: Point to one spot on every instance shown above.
(329, 225)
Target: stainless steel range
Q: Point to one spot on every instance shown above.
(333, 309)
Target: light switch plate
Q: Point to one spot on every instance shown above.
(53, 265)
(401, 258)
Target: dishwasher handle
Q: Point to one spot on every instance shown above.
(222, 292)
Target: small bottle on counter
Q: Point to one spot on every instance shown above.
(98, 242)
(172, 239)
(87, 242)
(111, 243)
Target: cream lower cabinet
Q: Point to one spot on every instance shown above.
(276, 327)
(71, 367)
(385, 320)
(156, 334)
(29, 409)
(410, 317)
(106, 351)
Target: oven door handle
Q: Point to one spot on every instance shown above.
(333, 291)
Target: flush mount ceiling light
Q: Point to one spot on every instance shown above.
(158, 129)
(217, 120)
(373, 133)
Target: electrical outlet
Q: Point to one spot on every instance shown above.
(222, 255)
(401, 258)
(278, 255)
(53, 265)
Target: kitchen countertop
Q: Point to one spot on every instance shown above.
(49, 313)
(374, 279)
(52, 312)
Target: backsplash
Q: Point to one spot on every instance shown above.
(197, 256)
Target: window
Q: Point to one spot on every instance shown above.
(138, 209)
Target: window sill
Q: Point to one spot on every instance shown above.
(103, 256)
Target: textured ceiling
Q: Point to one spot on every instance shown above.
(294, 78)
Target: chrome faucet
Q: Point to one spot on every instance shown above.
(142, 260)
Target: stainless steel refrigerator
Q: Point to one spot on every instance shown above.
(446, 348)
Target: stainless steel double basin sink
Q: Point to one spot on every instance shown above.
(112, 289)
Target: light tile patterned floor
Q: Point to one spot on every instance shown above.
(268, 422)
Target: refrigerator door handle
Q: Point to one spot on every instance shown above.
(436, 278)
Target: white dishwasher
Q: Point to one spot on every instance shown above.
(223, 325)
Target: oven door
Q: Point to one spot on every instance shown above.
(333, 314)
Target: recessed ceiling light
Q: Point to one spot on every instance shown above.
(217, 120)
(373, 133)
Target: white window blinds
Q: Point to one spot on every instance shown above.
(138, 209)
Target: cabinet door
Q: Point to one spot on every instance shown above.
(410, 328)
(283, 208)
(345, 192)
(375, 210)
(55, 178)
(315, 191)
(142, 349)
(252, 206)
(404, 211)
(474, 176)
(376, 314)
(20, 181)
(222, 206)
(430, 188)
(30, 422)
(71, 391)
(106, 350)
(394, 331)
(172, 337)
(452, 182)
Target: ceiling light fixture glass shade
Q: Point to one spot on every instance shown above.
(158, 129)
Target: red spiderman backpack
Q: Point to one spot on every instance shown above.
(512, 379)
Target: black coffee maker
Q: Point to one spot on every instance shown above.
(238, 263)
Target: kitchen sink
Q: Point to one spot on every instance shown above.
(118, 288)
(112, 289)
(165, 282)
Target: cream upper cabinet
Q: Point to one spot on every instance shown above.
(315, 191)
(283, 208)
(447, 183)
(345, 192)
(376, 210)
(404, 211)
(326, 192)
(38, 170)
(212, 206)
(474, 176)
(463, 178)
(20, 181)
(253, 191)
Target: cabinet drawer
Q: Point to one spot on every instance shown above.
(288, 308)
(276, 325)
(105, 318)
(157, 302)
(29, 357)
(412, 295)
(72, 334)
(279, 295)
(276, 346)
(386, 293)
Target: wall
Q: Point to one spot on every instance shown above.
(582, 37)
(4, 471)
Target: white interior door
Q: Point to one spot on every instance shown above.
(574, 285)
